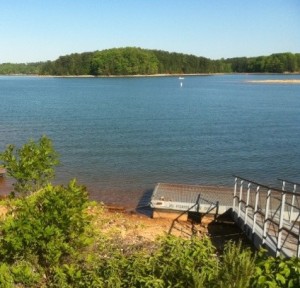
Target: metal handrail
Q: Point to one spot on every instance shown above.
(288, 181)
(265, 186)
(278, 219)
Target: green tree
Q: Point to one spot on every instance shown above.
(21, 68)
(32, 166)
(124, 61)
(274, 65)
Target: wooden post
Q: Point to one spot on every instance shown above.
(266, 217)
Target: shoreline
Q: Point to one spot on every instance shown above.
(156, 75)
(126, 198)
(276, 81)
(111, 76)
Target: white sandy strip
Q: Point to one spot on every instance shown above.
(286, 81)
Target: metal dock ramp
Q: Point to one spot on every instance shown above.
(270, 217)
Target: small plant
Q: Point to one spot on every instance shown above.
(236, 266)
(32, 166)
(185, 263)
(276, 272)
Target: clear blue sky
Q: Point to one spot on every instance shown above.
(39, 30)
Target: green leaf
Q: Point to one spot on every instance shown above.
(280, 278)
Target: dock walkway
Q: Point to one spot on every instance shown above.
(270, 217)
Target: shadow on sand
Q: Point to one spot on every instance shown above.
(219, 228)
(224, 229)
(143, 206)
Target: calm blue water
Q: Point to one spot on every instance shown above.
(121, 136)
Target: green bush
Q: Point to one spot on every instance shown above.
(21, 274)
(32, 165)
(47, 228)
(185, 263)
(236, 267)
(276, 272)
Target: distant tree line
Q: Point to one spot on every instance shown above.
(275, 63)
(11, 68)
(138, 61)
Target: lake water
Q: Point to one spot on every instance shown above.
(120, 136)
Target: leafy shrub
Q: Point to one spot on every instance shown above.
(236, 267)
(21, 273)
(32, 165)
(276, 272)
(46, 228)
(185, 263)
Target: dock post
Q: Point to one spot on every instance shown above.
(255, 210)
(217, 210)
(283, 185)
(282, 206)
(265, 227)
(240, 198)
(247, 204)
(198, 202)
(293, 202)
(234, 193)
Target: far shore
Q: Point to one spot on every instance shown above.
(127, 76)
(113, 76)
(168, 75)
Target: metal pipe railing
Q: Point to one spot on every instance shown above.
(283, 227)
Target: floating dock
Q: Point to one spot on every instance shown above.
(178, 200)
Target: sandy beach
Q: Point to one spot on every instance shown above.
(136, 227)
(286, 81)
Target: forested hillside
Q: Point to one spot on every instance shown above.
(138, 61)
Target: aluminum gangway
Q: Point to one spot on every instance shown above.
(270, 217)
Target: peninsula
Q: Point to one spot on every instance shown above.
(132, 61)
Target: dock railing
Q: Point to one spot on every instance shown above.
(212, 207)
(292, 187)
(269, 216)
